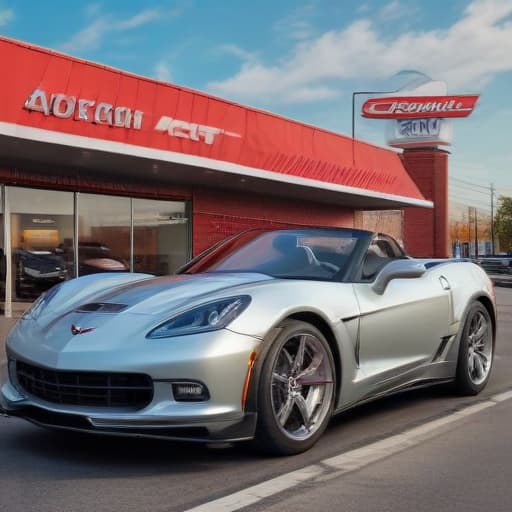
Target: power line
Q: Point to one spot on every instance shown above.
(469, 187)
(469, 183)
(471, 202)
(464, 195)
(463, 186)
(477, 182)
(480, 189)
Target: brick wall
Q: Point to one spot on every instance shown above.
(426, 231)
(218, 214)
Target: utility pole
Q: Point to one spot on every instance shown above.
(492, 218)
(476, 233)
(469, 231)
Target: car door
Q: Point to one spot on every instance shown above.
(403, 327)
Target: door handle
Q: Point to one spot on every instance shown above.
(444, 283)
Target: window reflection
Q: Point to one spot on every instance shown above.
(41, 240)
(160, 235)
(103, 234)
(43, 245)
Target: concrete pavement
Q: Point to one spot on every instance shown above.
(6, 325)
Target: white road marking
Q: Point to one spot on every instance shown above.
(501, 397)
(256, 493)
(353, 460)
(472, 409)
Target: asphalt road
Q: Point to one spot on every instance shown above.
(49, 471)
(467, 468)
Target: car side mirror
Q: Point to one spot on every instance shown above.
(398, 269)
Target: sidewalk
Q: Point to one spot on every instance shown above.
(5, 326)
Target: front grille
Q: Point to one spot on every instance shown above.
(98, 389)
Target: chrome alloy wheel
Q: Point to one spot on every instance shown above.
(302, 386)
(479, 348)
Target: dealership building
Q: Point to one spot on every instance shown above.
(105, 170)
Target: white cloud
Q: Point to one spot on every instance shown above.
(92, 9)
(297, 25)
(395, 10)
(363, 8)
(92, 36)
(467, 55)
(89, 38)
(296, 29)
(162, 72)
(6, 16)
(236, 51)
(141, 18)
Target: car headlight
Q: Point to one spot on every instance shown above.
(207, 317)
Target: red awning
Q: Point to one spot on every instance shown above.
(53, 98)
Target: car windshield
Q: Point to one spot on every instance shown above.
(318, 254)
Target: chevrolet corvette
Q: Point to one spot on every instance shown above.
(263, 337)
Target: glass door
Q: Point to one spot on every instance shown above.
(160, 236)
(103, 234)
(42, 234)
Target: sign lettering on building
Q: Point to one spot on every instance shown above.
(191, 131)
(408, 107)
(430, 127)
(64, 106)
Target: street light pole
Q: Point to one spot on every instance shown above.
(354, 94)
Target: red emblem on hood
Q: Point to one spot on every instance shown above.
(76, 329)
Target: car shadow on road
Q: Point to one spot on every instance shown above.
(77, 454)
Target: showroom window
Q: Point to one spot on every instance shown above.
(114, 234)
(42, 236)
(103, 234)
(160, 236)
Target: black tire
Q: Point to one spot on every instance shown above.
(474, 351)
(283, 388)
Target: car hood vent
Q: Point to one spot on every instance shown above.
(101, 307)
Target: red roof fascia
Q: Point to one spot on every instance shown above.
(241, 135)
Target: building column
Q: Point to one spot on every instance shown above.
(426, 231)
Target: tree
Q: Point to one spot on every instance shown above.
(503, 223)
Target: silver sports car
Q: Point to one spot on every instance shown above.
(262, 337)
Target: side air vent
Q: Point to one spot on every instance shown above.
(440, 350)
(101, 307)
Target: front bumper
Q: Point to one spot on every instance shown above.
(221, 365)
(210, 431)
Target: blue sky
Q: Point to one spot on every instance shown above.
(304, 58)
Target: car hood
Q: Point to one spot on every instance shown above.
(141, 305)
(161, 294)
